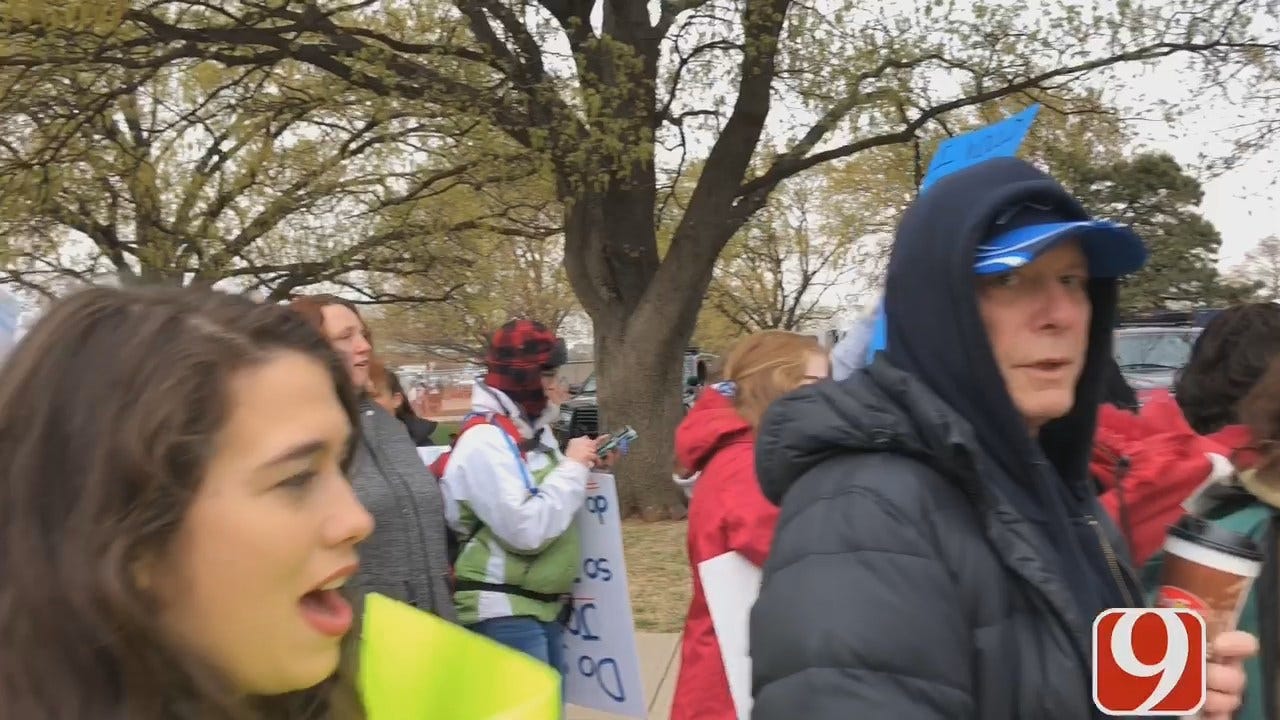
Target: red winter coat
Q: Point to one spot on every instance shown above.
(1166, 460)
(727, 512)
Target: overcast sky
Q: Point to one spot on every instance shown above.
(1244, 203)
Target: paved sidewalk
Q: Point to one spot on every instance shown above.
(659, 665)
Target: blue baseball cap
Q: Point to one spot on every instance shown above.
(1021, 233)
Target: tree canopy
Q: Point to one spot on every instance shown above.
(613, 100)
(1261, 267)
(265, 180)
(1151, 193)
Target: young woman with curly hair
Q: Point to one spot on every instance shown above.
(1248, 502)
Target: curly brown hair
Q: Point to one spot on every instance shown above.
(1260, 412)
(1229, 356)
(108, 413)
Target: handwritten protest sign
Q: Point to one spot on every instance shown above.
(602, 669)
(1001, 139)
(732, 584)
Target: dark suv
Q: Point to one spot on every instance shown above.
(580, 415)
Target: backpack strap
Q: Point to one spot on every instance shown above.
(514, 442)
(512, 435)
(503, 422)
(508, 589)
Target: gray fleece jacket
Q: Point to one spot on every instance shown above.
(405, 557)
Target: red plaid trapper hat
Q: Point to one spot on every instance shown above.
(519, 353)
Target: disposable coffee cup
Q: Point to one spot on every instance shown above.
(1210, 570)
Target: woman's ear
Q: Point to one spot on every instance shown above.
(397, 400)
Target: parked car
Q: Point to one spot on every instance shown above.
(581, 414)
(1151, 349)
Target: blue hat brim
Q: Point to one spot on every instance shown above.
(1112, 250)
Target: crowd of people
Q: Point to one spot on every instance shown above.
(200, 489)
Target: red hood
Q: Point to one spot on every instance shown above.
(712, 423)
(1164, 462)
(1161, 430)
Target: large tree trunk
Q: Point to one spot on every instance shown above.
(640, 336)
(644, 305)
(640, 386)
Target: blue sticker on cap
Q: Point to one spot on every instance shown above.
(1001, 139)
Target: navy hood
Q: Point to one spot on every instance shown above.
(935, 335)
(938, 335)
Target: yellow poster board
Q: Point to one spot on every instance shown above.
(415, 666)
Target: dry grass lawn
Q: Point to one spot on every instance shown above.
(658, 570)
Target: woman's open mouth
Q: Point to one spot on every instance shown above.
(325, 609)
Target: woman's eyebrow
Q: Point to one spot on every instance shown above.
(297, 452)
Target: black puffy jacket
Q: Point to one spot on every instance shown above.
(933, 559)
(900, 586)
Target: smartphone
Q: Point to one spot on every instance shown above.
(626, 434)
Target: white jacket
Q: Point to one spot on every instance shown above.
(486, 473)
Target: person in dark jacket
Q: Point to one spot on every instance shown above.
(939, 551)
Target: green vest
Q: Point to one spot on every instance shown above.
(485, 558)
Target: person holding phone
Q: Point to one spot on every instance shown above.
(511, 497)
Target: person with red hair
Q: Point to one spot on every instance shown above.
(728, 512)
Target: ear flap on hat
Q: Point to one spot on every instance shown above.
(559, 355)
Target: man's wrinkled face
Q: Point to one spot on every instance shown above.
(1037, 321)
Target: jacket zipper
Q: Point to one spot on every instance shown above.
(1117, 573)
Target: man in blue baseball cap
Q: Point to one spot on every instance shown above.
(1024, 230)
(940, 552)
